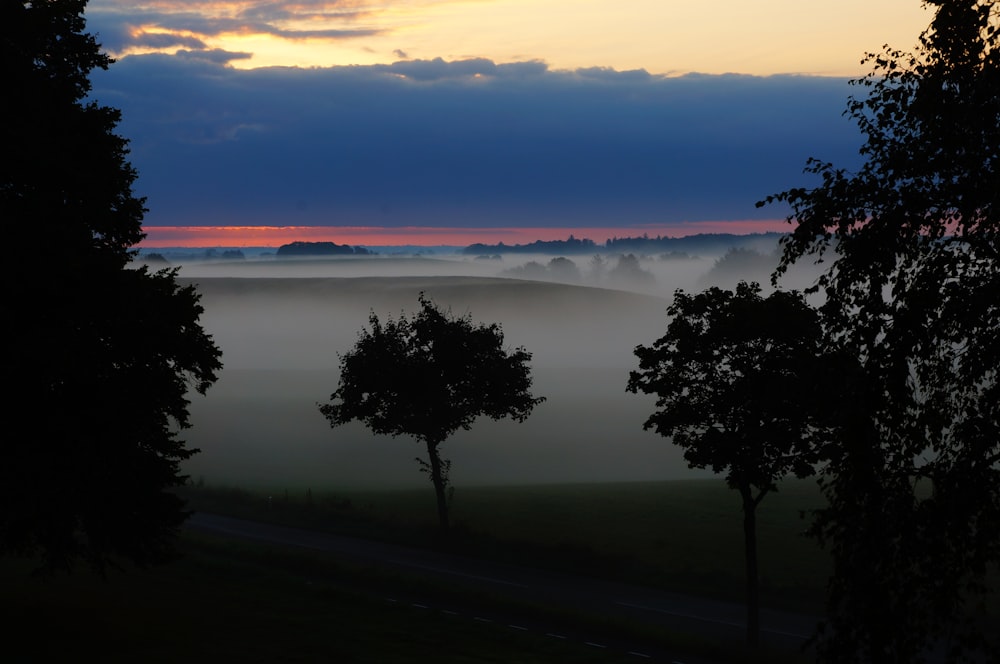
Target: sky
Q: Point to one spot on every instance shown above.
(457, 121)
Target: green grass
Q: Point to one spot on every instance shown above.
(683, 536)
(230, 601)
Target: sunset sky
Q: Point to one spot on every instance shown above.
(455, 121)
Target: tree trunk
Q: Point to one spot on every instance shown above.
(437, 477)
(750, 550)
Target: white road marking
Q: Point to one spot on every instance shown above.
(555, 636)
(643, 655)
(594, 645)
(518, 627)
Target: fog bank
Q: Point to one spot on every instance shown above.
(281, 327)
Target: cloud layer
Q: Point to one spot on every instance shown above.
(126, 26)
(464, 143)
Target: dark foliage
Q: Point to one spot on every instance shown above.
(429, 376)
(563, 269)
(530, 270)
(629, 272)
(736, 379)
(739, 264)
(100, 356)
(699, 243)
(914, 486)
(319, 249)
(558, 269)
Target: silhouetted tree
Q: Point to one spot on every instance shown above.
(739, 264)
(735, 380)
(563, 269)
(914, 492)
(100, 356)
(530, 270)
(428, 377)
(598, 268)
(628, 272)
(558, 269)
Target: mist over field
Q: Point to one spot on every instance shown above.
(281, 325)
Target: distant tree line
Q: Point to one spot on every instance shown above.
(570, 245)
(320, 249)
(701, 243)
(226, 254)
(678, 246)
(211, 254)
(625, 271)
(558, 269)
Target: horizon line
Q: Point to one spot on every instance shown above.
(233, 236)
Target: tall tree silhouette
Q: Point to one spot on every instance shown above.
(429, 376)
(914, 517)
(735, 380)
(100, 355)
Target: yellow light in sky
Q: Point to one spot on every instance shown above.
(826, 37)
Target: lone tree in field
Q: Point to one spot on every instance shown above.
(428, 377)
(735, 380)
(100, 355)
(913, 522)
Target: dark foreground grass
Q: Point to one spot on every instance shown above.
(683, 536)
(228, 601)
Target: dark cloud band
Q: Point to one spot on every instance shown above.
(465, 143)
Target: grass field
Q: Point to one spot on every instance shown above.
(236, 601)
(233, 602)
(683, 535)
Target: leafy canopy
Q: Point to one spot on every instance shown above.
(734, 378)
(429, 376)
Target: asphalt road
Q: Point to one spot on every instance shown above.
(710, 619)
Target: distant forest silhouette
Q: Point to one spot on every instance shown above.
(700, 242)
(677, 247)
(320, 249)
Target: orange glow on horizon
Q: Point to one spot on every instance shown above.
(370, 236)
